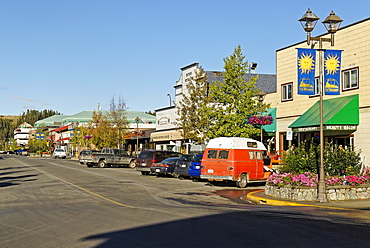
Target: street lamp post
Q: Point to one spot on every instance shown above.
(331, 23)
(261, 96)
(137, 119)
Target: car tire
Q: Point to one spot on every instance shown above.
(145, 173)
(132, 165)
(89, 165)
(102, 164)
(242, 182)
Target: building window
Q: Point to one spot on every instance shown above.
(350, 79)
(286, 93)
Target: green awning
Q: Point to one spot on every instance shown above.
(272, 127)
(340, 113)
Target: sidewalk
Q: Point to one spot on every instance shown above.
(260, 198)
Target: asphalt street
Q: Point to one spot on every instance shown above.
(48, 202)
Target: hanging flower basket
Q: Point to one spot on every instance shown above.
(261, 120)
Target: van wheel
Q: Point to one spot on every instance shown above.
(242, 182)
(132, 164)
(102, 164)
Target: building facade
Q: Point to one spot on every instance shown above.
(346, 116)
(168, 135)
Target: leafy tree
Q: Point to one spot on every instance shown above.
(31, 116)
(193, 119)
(6, 131)
(38, 145)
(117, 116)
(101, 130)
(233, 100)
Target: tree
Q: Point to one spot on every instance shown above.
(109, 129)
(192, 118)
(118, 119)
(31, 116)
(233, 100)
(101, 130)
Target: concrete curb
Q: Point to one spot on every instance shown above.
(273, 202)
(261, 200)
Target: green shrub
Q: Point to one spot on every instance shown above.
(337, 160)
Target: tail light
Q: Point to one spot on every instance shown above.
(92, 155)
(137, 161)
(153, 161)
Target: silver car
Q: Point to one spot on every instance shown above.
(59, 153)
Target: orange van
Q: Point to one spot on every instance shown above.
(234, 159)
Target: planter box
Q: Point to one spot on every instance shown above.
(333, 193)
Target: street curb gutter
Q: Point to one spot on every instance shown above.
(260, 200)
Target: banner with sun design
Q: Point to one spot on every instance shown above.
(332, 61)
(306, 71)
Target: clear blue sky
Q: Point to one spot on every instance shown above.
(71, 55)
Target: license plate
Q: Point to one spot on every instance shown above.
(210, 171)
(183, 165)
(143, 164)
(197, 167)
(157, 170)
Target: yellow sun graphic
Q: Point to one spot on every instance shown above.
(332, 64)
(306, 63)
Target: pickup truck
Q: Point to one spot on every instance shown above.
(108, 157)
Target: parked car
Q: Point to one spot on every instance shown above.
(85, 157)
(59, 153)
(194, 168)
(183, 165)
(23, 151)
(165, 167)
(147, 157)
(110, 156)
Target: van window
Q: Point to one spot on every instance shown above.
(211, 153)
(251, 155)
(223, 154)
(252, 144)
(259, 155)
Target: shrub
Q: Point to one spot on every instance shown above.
(337, 160)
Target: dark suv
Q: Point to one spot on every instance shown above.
(147, 157)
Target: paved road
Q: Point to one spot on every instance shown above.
(60, 203)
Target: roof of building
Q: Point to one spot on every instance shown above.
(86, 116)
(55, 120)
(265, 82)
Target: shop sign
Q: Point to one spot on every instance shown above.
(326, 127)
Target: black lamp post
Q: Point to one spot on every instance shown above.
(331, 23)
(261, 96)
(137, 119)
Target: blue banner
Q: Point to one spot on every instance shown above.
(332, 60)
(306, 71)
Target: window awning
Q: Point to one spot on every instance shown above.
(272, 127)
(340, 113)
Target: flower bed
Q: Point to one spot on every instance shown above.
(303, 187)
